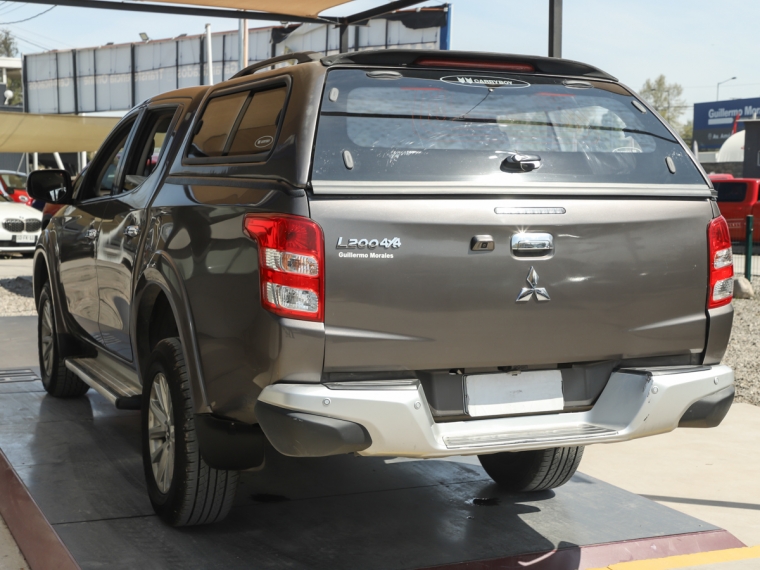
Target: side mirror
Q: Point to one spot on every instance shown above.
(52, 186)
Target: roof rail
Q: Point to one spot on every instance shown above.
(299, 56)
(463, 60)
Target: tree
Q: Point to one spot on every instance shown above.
(687, 132)
(665, 98)
(8, 48)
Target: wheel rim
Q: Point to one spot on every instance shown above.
(161, 433)
(46, 338)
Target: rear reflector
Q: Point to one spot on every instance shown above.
(291, 264)
(475, 64)
(721, 264)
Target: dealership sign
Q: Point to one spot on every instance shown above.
(714, 122)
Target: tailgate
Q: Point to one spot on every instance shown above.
(625, 278)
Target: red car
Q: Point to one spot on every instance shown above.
(13, 185)
(737, 199)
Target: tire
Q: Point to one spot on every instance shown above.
(183, 489)
(529, 471)
(58, 380)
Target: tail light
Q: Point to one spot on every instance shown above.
(721, 264)
(291, 264)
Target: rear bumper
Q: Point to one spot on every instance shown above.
(635, 403)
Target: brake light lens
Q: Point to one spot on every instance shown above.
(475, 64)
(721, 264)
(291, 264)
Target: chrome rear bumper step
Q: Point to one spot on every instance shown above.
(554, 436)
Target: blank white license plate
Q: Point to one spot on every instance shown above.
(525, 393)
(26, 238)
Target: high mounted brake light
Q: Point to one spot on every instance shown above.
(291, 264)
(475, 64)
(721, 264)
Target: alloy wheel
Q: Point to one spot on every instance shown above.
(46, 338)
(161, 433)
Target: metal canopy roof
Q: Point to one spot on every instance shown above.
(303, 8)
(305, 11)
(24, 132)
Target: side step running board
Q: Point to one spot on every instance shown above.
(120, 391)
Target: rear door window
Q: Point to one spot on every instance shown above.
(241, 124)
(731, 191)
(425, 125)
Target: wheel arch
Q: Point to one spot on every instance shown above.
(161, 308)
(40, 274)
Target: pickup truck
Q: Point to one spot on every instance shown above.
(737, 199)
(388, 253)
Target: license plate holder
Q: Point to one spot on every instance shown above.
(22, 238)
(529, 392)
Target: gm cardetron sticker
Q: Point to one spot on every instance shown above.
(483, 81)
(261, 142)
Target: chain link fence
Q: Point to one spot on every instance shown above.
(740, 260)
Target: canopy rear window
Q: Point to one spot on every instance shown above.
(421, 125)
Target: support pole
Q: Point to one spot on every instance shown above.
(748, 249)
(209, 58)
(83, 159)
(35, 161)
(242, 44)
(58, 160)
(555, 28)
(344, 38)
(245, 43)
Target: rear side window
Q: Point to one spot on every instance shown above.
(241, 124)
(731, 191)
(432, 125)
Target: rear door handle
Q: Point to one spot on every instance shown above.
(92, 233)
(132, 231)
(532, 244)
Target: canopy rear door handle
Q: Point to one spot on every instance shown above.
(532, 244)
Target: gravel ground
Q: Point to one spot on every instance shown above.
(16, 297)
(743, 354)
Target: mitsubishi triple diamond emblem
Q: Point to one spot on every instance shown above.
(527, 292)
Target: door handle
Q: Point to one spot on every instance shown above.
(132, 231)
(92, 233)
(532, 244)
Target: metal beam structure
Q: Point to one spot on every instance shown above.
(555, 28)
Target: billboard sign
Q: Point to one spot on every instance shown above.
(714, 122)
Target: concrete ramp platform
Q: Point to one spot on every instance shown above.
(73, 493)
(80, 461)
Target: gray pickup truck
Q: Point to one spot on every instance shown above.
(388, 253)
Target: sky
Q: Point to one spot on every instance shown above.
(695, 43)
